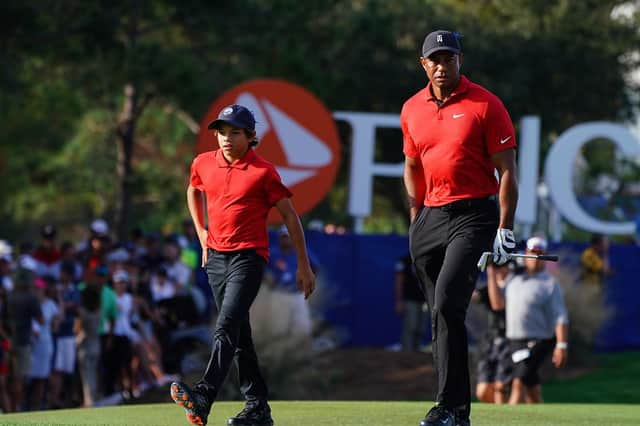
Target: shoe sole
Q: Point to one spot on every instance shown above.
(232, 422)
(182, 397)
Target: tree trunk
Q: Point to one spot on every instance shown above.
(131, 110)
(124, 171)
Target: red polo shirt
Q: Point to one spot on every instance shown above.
(239, 197)
(455, 141)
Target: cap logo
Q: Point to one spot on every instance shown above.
(440, 39)
(227, 111)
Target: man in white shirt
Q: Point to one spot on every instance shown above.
(179, 273)
(537, 323)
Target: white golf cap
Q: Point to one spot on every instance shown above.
(28, 262)
(99, 226)
(537, 244)
(283, 230)
(119, 255)
(5, 250)
(120, 276)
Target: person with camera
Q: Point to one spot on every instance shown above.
(537, 323)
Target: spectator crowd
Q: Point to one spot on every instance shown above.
(81, 322)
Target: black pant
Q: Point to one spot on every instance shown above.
(235, 279)
(109, 359)
(446, 243)
(537, 350)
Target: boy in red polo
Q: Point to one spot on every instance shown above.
(240, 188)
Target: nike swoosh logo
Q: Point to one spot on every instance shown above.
(458, 115)
(505, 139)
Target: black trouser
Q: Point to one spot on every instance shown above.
(537, 350)
(110, 363)
(235, 279)
(446, 243)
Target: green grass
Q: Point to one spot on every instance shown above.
(616, 380)
(344, 413)
(608, 395)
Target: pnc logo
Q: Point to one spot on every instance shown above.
(296, 133)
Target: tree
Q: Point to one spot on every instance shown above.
(116, 86)
(109, 53)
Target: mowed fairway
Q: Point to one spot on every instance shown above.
(347, 413)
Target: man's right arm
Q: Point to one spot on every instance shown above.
(414, 184)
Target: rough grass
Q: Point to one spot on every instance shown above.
(344, 413)
(615, 380)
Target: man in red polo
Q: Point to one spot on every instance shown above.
(456, 134)
(240, 188)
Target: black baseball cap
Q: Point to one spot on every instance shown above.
(235, 115)
(48, 232)
(441, 40)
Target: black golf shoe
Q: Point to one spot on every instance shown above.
(196, 404)
(462, 417)
(462, 420)
(254, 413)
(439, 416)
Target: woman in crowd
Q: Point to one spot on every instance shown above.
(42, 354)
(88, 341)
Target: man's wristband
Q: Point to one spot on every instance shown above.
(562, 345)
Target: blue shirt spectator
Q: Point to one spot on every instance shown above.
(283, 263)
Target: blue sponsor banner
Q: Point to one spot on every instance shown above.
(359, 273)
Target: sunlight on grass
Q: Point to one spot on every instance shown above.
(344, 413)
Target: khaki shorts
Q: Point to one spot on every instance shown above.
(21, 360)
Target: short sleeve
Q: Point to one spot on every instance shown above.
(498, 129)
(409, 147)
(274, 187)
(195, 179)
(558, 308)
(55, 310)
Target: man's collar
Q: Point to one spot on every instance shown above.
(241, 163)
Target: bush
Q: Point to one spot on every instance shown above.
(587, 313)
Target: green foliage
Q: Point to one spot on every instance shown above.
(608, 383)
(64, 68)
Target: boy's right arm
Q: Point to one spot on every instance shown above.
(193, 202)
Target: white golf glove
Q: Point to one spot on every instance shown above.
(504, 243)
